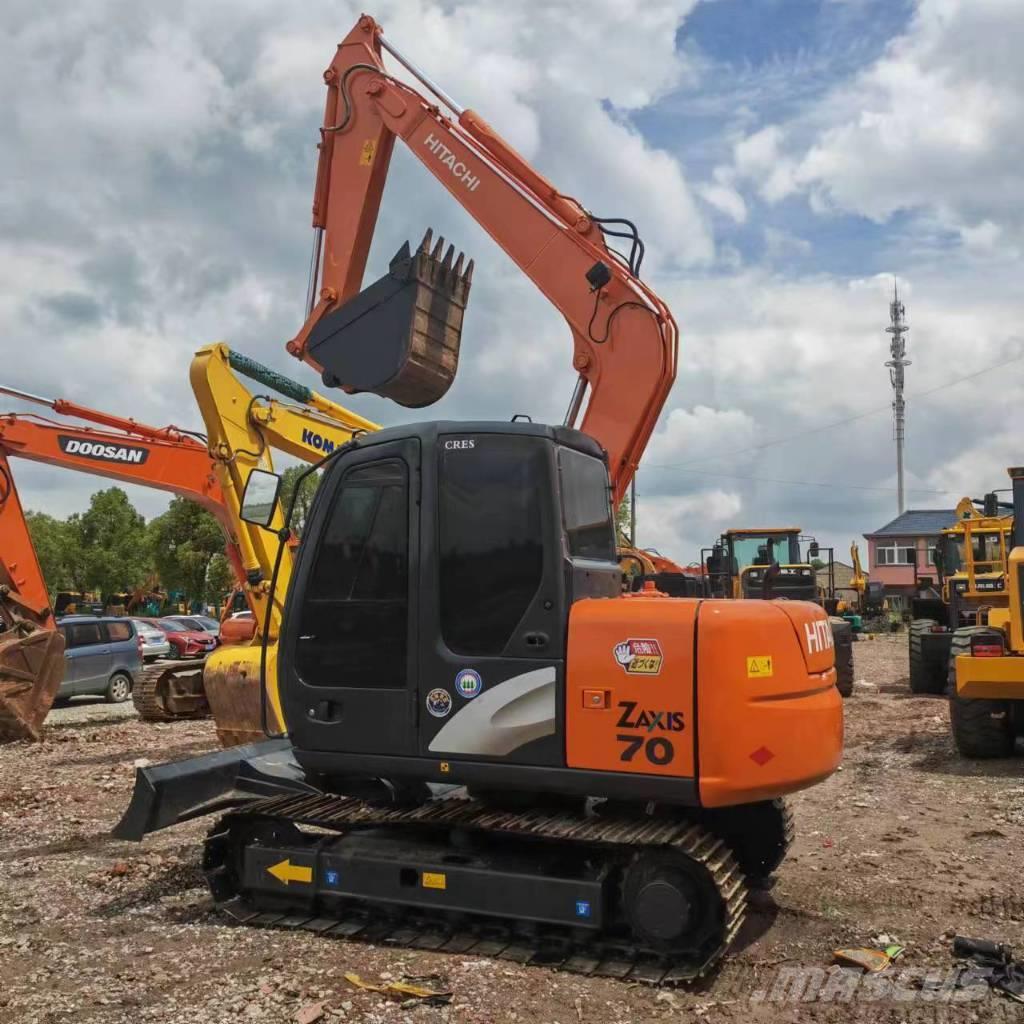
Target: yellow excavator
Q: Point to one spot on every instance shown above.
(986, 657)
(243, 429)
(970, 561)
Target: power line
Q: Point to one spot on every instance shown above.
(836, 423)
(805, 483)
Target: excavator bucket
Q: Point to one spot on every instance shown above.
(231, 680)
(400, 336)
(31, 669)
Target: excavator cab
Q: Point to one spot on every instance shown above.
(401, 650)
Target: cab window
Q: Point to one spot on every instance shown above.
(490, 544)
(354, 619)
(586, 506)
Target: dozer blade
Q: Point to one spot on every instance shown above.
(31, 669)
(231, 679)
(400, 336)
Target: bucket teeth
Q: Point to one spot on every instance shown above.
(441, 270)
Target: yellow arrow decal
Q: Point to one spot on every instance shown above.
(285, 871)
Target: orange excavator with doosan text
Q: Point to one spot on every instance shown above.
(119, 448)
(490, 748)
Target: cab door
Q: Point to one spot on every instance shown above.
(350, 654)
(491, 604)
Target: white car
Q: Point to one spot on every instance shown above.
(154, 641)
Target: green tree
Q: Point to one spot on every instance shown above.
(111, 535)
(304, 499)
(54, 546)
(183, 542)
(219, 578)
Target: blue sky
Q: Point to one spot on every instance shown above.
(783, 161)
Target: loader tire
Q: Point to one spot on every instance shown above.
(842, 645)
(925, 675)
(982, 728)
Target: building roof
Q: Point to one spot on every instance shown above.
(917, 522)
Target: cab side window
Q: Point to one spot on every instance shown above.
(586, 506)
(354, 619)
(118, 631)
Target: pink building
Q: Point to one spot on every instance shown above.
(900, 554)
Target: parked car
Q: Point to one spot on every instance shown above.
(239, 628)
(201, 623)
(154, 640)
(102, 655)
(185, 643)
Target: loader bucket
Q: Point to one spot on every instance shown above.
(31, 669)
(400, 336)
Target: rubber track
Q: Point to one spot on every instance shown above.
(145, 687)
(492, 937)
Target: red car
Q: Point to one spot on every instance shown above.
(185, 643)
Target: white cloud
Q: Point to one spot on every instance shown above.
(931, 126)
(678, 526)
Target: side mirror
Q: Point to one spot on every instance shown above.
(814, 550)
(259, 500)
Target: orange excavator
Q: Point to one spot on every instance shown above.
(490, 748)
(31, 651)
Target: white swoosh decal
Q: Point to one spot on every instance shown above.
(502, 719)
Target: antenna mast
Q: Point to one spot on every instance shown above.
(898, 349)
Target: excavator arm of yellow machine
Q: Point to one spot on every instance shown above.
(243, 429)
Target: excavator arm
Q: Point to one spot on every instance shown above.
(120, 449)
(243, 430)
(624, 338)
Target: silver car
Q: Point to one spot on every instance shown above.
(154, 641)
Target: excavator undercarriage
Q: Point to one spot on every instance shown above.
(599, 891)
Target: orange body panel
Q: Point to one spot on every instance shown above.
(768, 715)
(763, 735)
(652, 675)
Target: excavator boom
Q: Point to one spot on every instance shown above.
(625, 340)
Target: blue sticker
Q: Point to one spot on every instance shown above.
(333, 877)
(468, 683)
(439, 702)
(583, 908)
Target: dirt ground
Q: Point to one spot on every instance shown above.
(906, 841)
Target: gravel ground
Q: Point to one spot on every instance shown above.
(906, 841)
